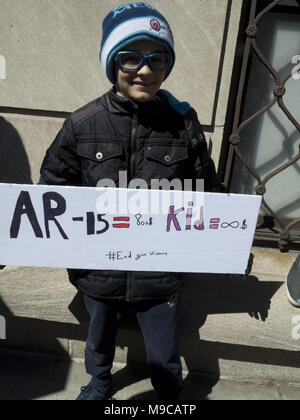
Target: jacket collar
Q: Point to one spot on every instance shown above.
(119, 105)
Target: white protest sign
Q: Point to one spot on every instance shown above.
(72, 227)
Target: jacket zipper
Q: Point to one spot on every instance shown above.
(133, 140)
(132, 174)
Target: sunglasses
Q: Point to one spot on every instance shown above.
(130, 60)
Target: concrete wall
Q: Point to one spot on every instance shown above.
(49, 67)
(50, 50)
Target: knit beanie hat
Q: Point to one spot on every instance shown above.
(129, 23)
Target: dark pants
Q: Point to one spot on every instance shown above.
(158, 322)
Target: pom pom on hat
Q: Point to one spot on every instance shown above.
(129, 23)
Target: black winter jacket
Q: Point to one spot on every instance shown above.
(149, 140)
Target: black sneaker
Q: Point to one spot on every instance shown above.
(293, 283)
(92, 394)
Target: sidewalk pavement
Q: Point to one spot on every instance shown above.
(33, 377)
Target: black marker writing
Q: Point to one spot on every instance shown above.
(24, 206)
(141, 222)
(50, 213)
(244, 226)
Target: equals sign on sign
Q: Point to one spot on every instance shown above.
(214, 223)
(124, 225)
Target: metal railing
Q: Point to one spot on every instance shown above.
(283, 230)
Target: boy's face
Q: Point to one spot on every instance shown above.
(140, 85)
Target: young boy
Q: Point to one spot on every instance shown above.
(137, 128)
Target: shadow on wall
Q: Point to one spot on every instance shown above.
(27, 378)
(203, 295)
(14, 163)
(210, 294)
